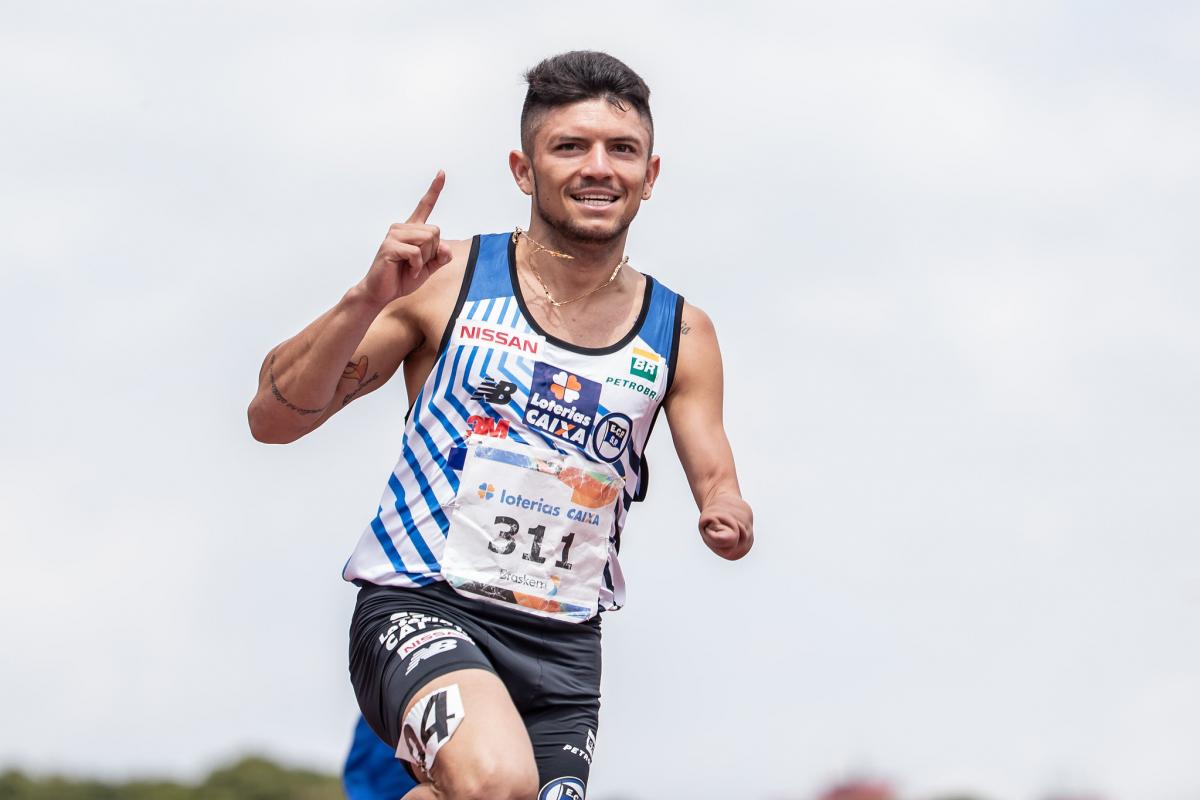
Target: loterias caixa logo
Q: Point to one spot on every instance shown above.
(562, 403)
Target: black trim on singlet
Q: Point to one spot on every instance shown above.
(575, 348)
(468, 275)
(673, 358)
(672, 364)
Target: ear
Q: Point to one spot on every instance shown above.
(522, 170)
(652, 168)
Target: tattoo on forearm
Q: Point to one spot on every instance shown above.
(279, 395)
(684, 328)
(346, 400)
(356, 369)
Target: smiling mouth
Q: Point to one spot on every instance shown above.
(592, 199)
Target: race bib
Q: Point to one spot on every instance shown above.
(529, 529)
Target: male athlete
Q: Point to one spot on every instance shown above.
(536, 362)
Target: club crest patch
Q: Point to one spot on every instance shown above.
(562, 789)
(612, 436)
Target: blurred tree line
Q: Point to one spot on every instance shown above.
(249, 779)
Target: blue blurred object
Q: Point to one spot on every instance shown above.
(372, 771)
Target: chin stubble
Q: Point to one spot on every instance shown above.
(566, 227)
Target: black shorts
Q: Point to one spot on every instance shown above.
(400, 640)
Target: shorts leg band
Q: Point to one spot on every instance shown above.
(429, 725)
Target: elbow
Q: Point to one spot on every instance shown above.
(266, 429)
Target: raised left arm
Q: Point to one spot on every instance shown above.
(694, 410)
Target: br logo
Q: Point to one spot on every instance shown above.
(562, 789)
(494, 391)
(486, 491)
(644, 364)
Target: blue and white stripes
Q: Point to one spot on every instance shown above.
(492, 340)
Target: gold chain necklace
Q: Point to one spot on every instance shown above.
(540, 248)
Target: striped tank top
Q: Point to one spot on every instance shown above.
(497, 373)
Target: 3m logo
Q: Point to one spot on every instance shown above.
(644, 364)
(486, 491)
(565, 387)
(486, 426)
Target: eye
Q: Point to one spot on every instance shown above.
(567, 146)
(625, 148)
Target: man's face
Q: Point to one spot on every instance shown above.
(589, 170)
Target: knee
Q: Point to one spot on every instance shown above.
(495, 779)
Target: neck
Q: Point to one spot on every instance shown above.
(590, 263)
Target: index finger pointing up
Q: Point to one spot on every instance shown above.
(429, 200)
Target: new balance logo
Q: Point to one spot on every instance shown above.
(493, 391)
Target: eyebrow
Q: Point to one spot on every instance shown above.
(566, 137)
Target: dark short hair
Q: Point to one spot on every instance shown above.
(581, 75)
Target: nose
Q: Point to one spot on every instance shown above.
(597, 165)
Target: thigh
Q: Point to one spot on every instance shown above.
(564, 741)
(399, 642)
(488, 753)
(562, 722)
(430, 692)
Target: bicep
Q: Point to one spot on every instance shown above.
(695, 409)
(385, 345)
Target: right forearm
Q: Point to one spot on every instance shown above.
(299, 377)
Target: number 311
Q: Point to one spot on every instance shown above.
(506, 542)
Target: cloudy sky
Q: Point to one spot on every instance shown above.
(946, 247)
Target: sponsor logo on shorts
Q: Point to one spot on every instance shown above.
(435, 649)
(587, 751)
(562, 403)
(562, 789)
(498, 337)
(417, 642)
(612, 436)
(405, 624)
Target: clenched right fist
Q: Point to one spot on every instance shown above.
(410, 253)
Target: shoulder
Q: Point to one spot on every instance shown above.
(697, 337)
(695, 325)
(691, 317)
(698, 363)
